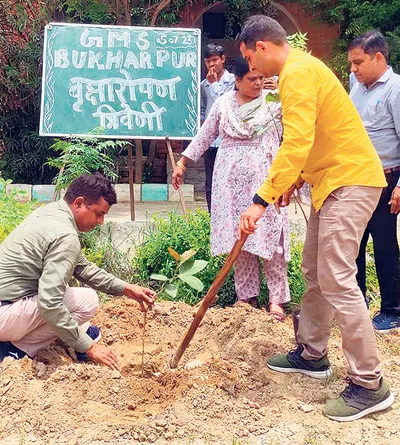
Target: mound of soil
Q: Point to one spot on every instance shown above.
(221, 393)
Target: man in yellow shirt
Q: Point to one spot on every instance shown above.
(325, 144)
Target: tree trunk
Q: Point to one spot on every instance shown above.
(127, 13)
(152, 153)
(163, 4)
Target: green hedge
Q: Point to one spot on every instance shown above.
(192, 231)
(12, 211)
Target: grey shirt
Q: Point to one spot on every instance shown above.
(40, 257)
(209, 92)
(379, 108)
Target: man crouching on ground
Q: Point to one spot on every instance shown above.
(39, 258)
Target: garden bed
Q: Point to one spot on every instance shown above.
(221, 393)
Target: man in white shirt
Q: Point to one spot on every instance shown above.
(376, 95)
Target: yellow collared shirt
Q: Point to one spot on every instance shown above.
(324, 142)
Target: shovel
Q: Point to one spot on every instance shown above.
(208, 300)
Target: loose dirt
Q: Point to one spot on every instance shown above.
(221, 393)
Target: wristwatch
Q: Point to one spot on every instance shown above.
(258, 200)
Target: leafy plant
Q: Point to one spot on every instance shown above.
(298, 41)
(182, 233)
(90, 11)
(21, 40)
(12, 210)
(81, 155)
(355, 17)
(192, 230)
(186, 268)
(295, 275)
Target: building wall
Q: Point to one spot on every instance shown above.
(291, 16)
(321, 36)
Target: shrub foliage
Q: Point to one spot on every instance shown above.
(12, 210)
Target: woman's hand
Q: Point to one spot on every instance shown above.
(249, 218)
(179, 170)
(177, 176)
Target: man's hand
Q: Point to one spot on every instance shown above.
(101, 354)
(141, 294)
(249, 218)
(284, 200)
(395, 200)
(212, 76)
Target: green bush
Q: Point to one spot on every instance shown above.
(182, 233)
(192, 231)
(12, 211)
(295, 276)
(81, 155)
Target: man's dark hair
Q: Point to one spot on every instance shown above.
(241, 67)
(262, 28)
(213, 50)
(371, 42)
(92, 188)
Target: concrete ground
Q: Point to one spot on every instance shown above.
(145, 210)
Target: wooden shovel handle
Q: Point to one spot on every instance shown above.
(173, 164)
(208, 300)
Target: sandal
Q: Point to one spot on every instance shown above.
(279, 316)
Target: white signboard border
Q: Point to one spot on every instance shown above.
(196, 31)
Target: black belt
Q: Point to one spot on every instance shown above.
(5, 302)
(387, 171)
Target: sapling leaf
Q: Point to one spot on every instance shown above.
(187, 255)
(174, 254)
(192, 281)
(158, 277)
(192, 267)
(272, 97)
(171, 290)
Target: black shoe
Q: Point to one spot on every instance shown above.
(95, 334)
(7, 349)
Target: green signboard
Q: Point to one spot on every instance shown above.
(133, 82)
